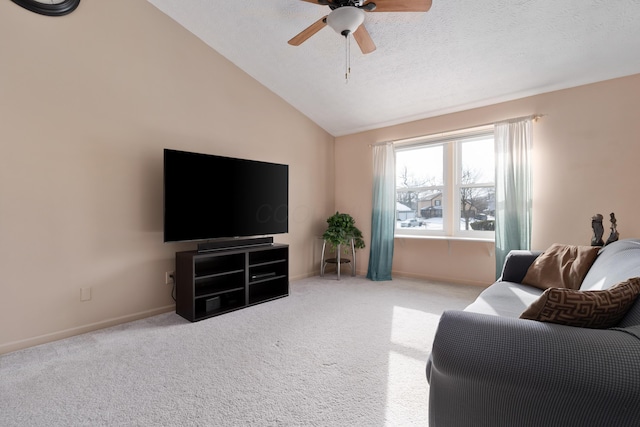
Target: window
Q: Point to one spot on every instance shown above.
(445, 185)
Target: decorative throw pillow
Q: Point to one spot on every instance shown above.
(587, 309)
(561, 266)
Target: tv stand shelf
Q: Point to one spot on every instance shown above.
(212, 283)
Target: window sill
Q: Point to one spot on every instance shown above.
(448, 238)
(488, 242)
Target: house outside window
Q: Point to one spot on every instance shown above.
(445, 185)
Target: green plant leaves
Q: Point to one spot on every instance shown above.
(341, 230)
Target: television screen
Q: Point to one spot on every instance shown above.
(208, 196)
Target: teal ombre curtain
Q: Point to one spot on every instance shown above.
(513, 188)
(383, 216)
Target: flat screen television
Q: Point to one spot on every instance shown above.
(211, 197)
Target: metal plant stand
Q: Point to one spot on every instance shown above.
(338, 260)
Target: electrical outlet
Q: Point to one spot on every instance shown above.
(168, 278)
(85, 294)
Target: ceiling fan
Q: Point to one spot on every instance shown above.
(347, 17)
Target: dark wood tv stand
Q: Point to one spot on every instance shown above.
(212, 283)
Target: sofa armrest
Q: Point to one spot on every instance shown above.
(496, 371)
(516, 265)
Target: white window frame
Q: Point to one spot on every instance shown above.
(451, 203)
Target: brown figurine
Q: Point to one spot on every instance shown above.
(614, 232)
(598, 230)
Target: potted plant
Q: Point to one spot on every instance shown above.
(341, 230)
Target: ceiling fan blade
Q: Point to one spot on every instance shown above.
(320, 2)
(399, 5)
(364, 40)
(308, 32)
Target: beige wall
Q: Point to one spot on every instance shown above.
(586, 156)
(87, 103)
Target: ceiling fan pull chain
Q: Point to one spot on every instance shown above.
(347, 49)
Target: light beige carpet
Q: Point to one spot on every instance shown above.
(333, 353)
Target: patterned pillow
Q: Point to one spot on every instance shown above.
(587, 309)
(561, 266)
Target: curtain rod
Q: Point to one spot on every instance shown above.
(534, 117)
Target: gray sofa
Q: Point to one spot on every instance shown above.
(490, 368)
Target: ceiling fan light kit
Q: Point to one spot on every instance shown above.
(345, 20)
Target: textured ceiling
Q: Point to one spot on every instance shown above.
(461, 54)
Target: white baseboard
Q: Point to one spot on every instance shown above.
(439, 279)
(66, 333)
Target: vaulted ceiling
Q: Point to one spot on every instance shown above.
(460, 54)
